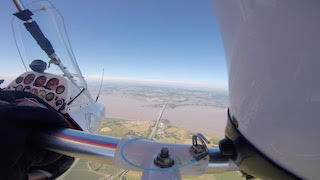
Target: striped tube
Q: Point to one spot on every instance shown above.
(102, 149)
(80, 144)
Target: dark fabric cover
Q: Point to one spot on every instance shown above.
(37, 34)
(18, 153)
(24, 15)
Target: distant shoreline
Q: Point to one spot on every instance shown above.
(204, 119)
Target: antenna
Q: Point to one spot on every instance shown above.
(100, 85)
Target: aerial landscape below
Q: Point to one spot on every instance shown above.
(132, 111)
(197, 110)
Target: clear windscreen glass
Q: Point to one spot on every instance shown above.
(52, 24)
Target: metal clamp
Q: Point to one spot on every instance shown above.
(199, 151)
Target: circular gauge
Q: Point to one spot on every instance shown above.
(40, 81)
(34, 91)
(60, 89)
(19, 88)
(52, 83)
(42, 94)
(19, 80)
(29, 78)
(50, 96)
(27, 89)
(59, 102)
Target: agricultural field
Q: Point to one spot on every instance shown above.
(176, 96)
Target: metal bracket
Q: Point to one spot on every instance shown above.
(199, 151)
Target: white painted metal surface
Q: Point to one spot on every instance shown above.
(273, 55)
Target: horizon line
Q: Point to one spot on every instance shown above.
(156, 81)
(96, 78)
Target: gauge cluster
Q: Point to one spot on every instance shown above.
(48, 87)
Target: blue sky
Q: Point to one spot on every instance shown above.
(176, 40)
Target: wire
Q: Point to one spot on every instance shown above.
(16, 43)
(150, 169)
(101, 83)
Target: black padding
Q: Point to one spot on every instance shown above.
(249, 159)
(18, 153)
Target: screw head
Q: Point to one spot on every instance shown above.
(164, 152)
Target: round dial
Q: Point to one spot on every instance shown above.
(52, 83)
(40, 81)
(19, 88)
(29, 78)
(42, 94)
(60, 89)
(19, 80)
(50, 96)
(34, 91)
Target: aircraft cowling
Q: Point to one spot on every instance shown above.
(272, 51)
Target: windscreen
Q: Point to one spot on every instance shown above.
(52, 24)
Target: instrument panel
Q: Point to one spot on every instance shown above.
(48, 87)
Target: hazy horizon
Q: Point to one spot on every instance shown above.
(96, 80)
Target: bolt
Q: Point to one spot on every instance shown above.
(164, 152)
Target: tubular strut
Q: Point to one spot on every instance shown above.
(102, 149)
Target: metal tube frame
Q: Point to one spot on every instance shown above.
(102, 149)
(18, 5)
